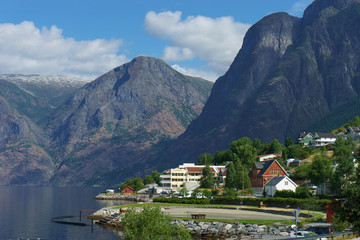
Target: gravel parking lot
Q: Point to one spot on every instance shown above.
(220, 213)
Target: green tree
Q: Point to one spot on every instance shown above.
(151, 224)
(349, 211)
(275, 147)
(196, 193)
(183, 192)
(156, 176)
(257, 145)
(136, 184)
(301, 173)
(288, 142)
(207, 178)
(206, 158)
(148, 179)
(321, 171)
(246, 153)
(230, 181)
(293, 151)
(242, 180)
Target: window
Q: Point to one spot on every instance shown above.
(286, 183)
(275, 171)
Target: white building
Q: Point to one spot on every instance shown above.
(323, 139)
(279, 183)
(188, 175)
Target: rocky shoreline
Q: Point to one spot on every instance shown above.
(117, 196)
(207, 230)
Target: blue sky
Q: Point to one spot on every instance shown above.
(86, 38)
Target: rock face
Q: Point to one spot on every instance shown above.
(289, 73)
(116, 120)
(22, 159)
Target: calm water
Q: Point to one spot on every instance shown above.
(26, 212)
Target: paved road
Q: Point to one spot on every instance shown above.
(220, 213)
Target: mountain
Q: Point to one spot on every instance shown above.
(120, 119)
(50, 88)
(290, 73)
(22, 157)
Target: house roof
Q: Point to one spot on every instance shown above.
(129, 188)
(276, 180)
(325, 135)
(355, 129)
(265, 165)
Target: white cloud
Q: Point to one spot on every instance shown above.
(177, 54)
(215, 41)
(207, 75)
(298, 8)
(24, 48)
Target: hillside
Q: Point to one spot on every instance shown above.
(118, 119)
(290, 73)
(22, 156)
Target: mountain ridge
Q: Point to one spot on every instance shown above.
(289, 73)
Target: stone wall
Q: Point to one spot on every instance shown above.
(220, 230)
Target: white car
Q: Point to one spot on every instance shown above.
(301, 234)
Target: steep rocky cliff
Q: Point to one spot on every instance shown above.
(289, 73)
(22, 157)
(117, 120)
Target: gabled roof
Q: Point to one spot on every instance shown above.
(325, 135)
(304, 134)
(276, 180)
(264, 166)
(355, 129)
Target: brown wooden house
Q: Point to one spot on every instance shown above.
(263, 171)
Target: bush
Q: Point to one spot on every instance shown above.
(152, 223)
(215, 192)
(285, 194)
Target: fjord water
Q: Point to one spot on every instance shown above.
(26, 212)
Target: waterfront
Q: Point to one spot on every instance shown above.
(26, 212)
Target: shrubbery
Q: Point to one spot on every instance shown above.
(300, 193)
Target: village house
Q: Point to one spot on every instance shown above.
(188, 176)
(279, 183)
(354, 132)
(268, 157)
(323, 139)
(316, 139)
(128, 190)
(262, 172)
(305, 138)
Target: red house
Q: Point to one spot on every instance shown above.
(262, 172)
(128, 190)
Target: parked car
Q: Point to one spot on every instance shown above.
(321, 230)
(301, 234)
